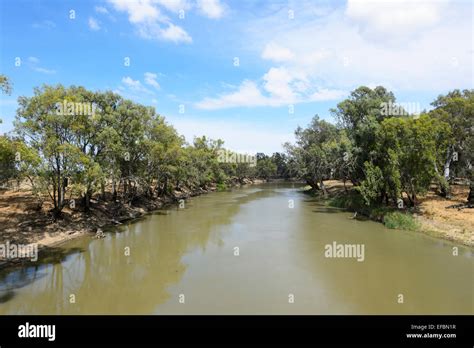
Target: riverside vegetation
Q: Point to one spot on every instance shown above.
(90, 169)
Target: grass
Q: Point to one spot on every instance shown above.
(400, 221)
(389, 216)
(221, 187)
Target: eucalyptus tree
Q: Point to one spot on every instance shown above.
(457, 109)
(360, 115)
(311, 155)
(51, 134)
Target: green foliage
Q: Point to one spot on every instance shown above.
(131, 149)
(117, 143)
(317, 152)
(456, 109)
(221, 187)
(371, 187)
(266, 168)
(5, 84)
(387, 157)
(361, 115)
(400, 221)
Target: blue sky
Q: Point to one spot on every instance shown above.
(300, 55)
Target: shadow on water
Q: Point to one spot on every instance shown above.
(114, 283)
(7, 296)
(23, 274)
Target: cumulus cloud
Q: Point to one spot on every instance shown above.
(382, 18)
(248, 94)
(175, 33)
(320, 58)
(150, 21)
(175, 5)
(101, 9)
(150, 79)
(278, 89)
(133, 86)
(277, 53)
(93, 24)
(211, 8)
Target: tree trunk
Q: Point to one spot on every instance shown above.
(470, 198)
(313, 184)
(87, 201)
(445, 191)
(102, 189)
(114, 189)
(323, 187)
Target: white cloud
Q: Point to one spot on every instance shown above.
(404, 45)
(33, 63)
(277, 83)
(134, 85)
(44, 70)
(93, 24)
(101, 9)
(394, 17)
(150, 79)
(176, 34)
(129, 82)
(174, 5)
(149, 22)
(279, 87)
(324, 94)
(33, 60)
(277, 53)
(139, 11)
(211, 8)
(247, 94)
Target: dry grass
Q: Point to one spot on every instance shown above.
(449, 223)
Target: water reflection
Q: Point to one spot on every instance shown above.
(281, 251)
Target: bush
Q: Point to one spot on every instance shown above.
(400, 221)
(221, 187)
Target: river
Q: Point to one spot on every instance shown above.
(254, 250)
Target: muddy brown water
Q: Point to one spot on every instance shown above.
(254, 250)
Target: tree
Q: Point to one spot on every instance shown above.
(311, 155)
(5, 84)
(266, 169)
(49, 133)
(409, 152)
(280, 160)
(457, 109)
(360, 115)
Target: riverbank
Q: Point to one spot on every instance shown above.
(435, 215)
(23, 222)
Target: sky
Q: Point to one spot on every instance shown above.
(247, 72)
